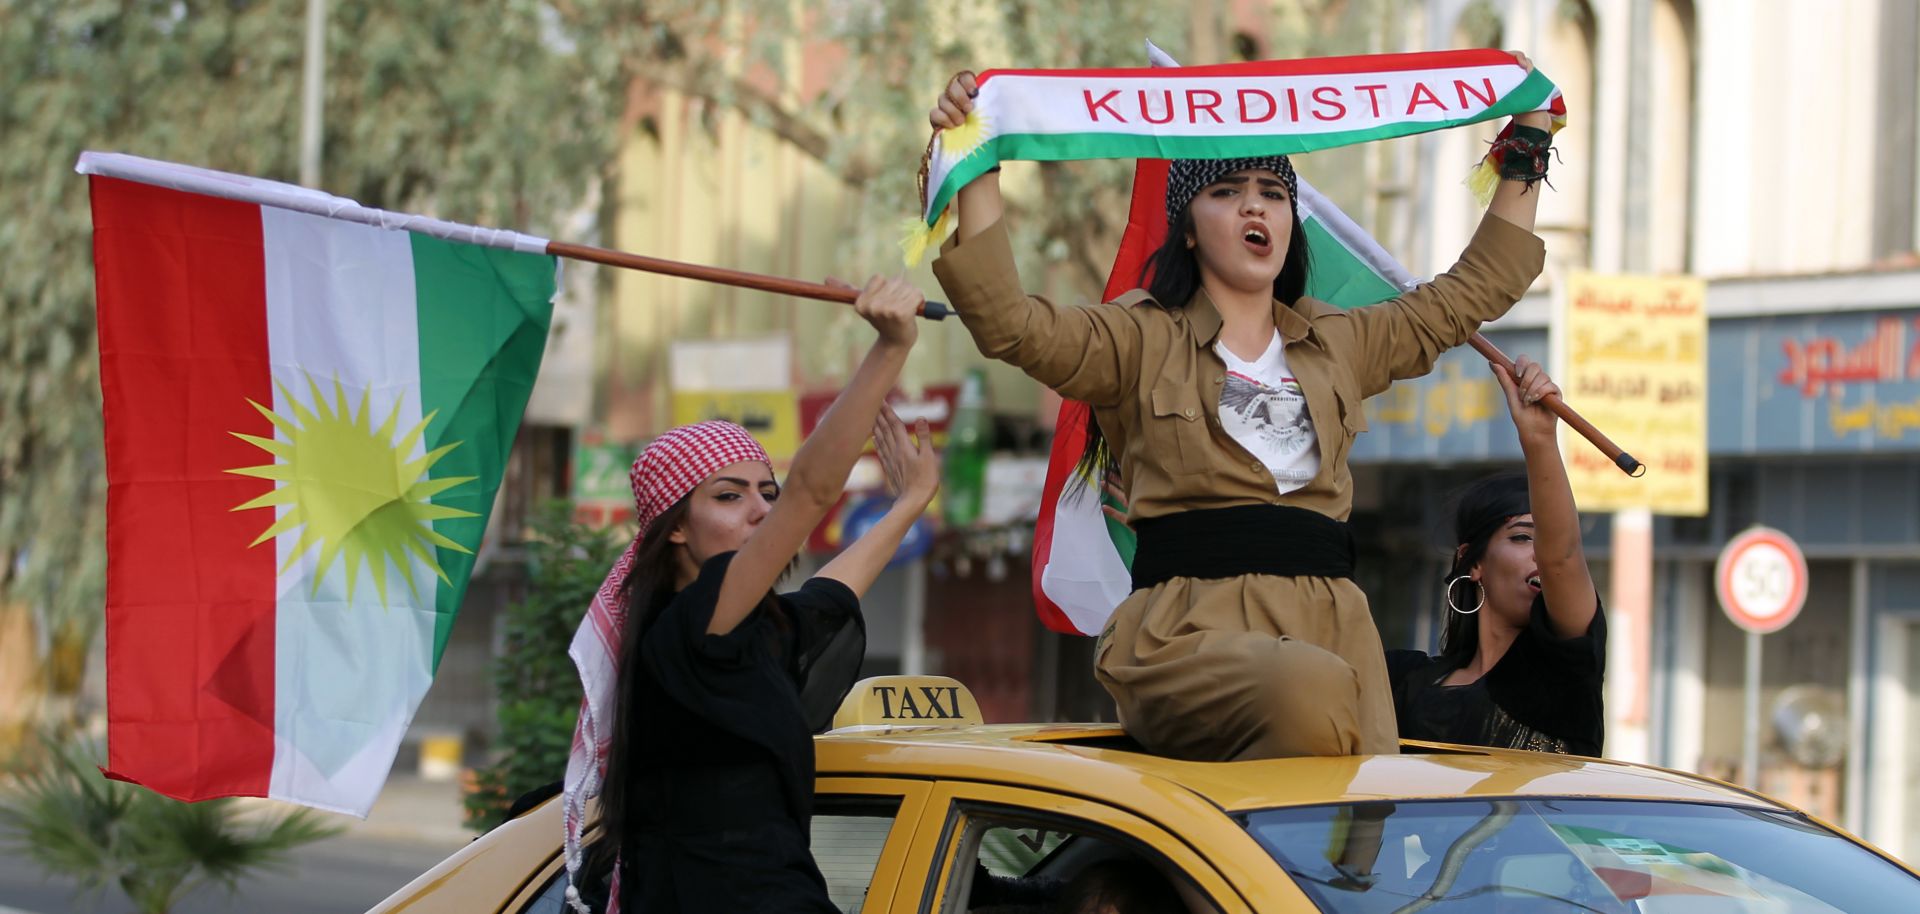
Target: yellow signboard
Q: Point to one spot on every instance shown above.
(881, 702)
(773, 416)
(1636, 357)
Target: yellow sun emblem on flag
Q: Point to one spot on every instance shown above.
(959, 142)
(352, 489)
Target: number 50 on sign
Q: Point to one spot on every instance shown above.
(1761, 579)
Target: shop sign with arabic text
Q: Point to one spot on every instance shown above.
(1637, 369)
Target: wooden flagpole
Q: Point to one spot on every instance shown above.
(779, 285)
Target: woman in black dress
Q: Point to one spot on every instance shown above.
(708, 784)
(1524, 650)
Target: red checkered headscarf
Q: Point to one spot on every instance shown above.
(677, 462)
(667, 471)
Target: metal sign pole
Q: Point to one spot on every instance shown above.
(313, 80)
(1761, 580)
(1750, 741)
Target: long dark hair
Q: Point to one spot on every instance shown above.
(1482, 510)
(648, 589)
(1172, 276)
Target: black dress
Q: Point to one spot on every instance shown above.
(725, 779)
(1544, 694)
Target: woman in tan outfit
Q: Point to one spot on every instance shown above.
(1230, 401)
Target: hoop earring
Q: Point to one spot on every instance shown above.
(1447, 591)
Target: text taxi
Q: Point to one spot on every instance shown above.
(921, 808)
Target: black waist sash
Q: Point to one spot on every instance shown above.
(1245, 539)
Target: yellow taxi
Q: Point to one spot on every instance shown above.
(920, 808)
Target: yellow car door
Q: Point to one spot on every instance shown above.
(863, 832)
(975, 836)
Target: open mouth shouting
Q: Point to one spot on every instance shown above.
(1257, 237)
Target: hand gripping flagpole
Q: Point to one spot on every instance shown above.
(1574, 420)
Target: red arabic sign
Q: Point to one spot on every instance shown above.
(1823, 364)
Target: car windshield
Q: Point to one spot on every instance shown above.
(1613, 857)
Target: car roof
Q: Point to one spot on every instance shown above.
(1099, 760)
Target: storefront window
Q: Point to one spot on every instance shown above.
(1910, 727)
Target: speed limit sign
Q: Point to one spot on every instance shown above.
(1761, 579)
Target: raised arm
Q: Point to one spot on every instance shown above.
(1090, 354)
(979, 203)
(1565, 579)
(1401, 338)
(819, 472)
(913, 475)
(1516, 201)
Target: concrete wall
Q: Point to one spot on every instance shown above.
(1785, 183)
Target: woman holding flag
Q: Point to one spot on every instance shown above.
(1524, 650)
(1229, 400)
(719, 683)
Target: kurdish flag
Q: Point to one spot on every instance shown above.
(1080, 556)
(308, 407)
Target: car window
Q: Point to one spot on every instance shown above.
(1015, 850)
(552, 898)
(848, 836)
(1598, 856)
(1008, 862)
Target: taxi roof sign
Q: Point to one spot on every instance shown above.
(892, 702)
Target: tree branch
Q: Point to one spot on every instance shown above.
(754, 100)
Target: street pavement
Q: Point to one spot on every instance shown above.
(415, 825)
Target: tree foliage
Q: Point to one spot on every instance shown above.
(155, 850)
(486, 113)
(535, 686)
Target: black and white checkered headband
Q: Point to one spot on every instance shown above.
(1187, 177)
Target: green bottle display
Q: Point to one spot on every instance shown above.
(969, 439)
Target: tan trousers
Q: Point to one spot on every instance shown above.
(1251, 667)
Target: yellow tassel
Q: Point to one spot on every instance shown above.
(919, 236)
(915, 237)
(1483, 180)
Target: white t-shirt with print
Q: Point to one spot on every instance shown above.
(1262, 407)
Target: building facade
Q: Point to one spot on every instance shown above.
(1813, 365)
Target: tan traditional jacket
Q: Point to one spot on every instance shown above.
(1154, 380)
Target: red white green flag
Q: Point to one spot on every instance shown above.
(308, 408)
